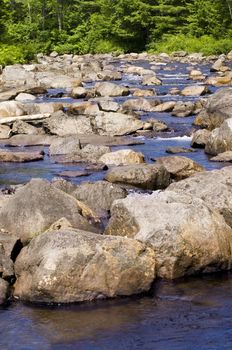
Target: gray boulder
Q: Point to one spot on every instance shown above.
(220, 139)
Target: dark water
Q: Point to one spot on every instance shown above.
(192, 314)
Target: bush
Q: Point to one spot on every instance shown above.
(12, 54)
(208, 45)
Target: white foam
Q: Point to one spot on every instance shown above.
(175, 138)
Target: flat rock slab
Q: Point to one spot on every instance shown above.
(174, 150)
(74, 173)
(28, 140)
(20, 157)
(223, 157)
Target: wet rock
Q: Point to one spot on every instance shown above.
(213, 187)
(108, 106)
(90, 108)
(144, 92)
(10, 247)
(196, 74)
(79, 92)
(217, 109)
(4, 291)
(110, 89)
(122, 157)
(217, 65)
(183, 109)
(226, 79)
(73, 173)
(89, 153)
(173, 150)
(5, 132)
(61, 124)
(116, 124)
(65, 145)
(179, 167)
(74, 266)
(151, 80)
(40, 108)
(195, 90)
(200, 138)
(223, 157)
(20, 157)
(36, 206)
(174, 91)
(158, 125)
(25, 97)
(146, 176)
(107, 75)
(187, 236)
(220, 139)
(11, 108)
(29, 140)
(165, 107)
(140, 104)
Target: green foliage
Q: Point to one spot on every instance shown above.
(97, 26)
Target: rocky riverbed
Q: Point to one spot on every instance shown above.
(115, 173)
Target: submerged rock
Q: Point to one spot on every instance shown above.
(72, 266)
(187, 236)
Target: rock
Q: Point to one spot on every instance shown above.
(151, 80)
(29, 140)
(158, 125)
(25, 97)
(200, 138)
(229, 56)
(116, 124)
(183, 109)
(196, 74)
(36, 206)
(110, 89)
(61, 124)
(89, 153)
(217, 65)
(17, 75)
(122, 157)
(65, 145)
(74, 266)
(144, 92)
(174, 91)
(187, 236)
(11, 108)
(5, 132)
(226, 79)
(79, 92)
(98, 195)
(213, 187)
(72, 173)
(179, 167)
(140, 104)
(217, 109)
(195, 90)
(108, 106)
(52, 80)
(223, 157)
(165, 107)
(107, 75)
(174, 150)
(42, 108)
(4, 291)
(89, 108)
(10, 247)
(220, 139)
(20, 157)
(21, 127)
(146, 176)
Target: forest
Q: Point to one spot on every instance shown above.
(100, 26)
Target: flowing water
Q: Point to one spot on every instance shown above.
(191, 314)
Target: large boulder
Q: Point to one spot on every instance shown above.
(145, 176)
(187, 236)
(65, 145)
(220, 139)
(122, 157)
(20, 157)
(214, 187)
(116, 124)
(11, 109)
(140, 104)
(110, 89)
(21, 127)
(200, 138)
(36, 206)
(179, 167)
(195, 90)
(217, 109)
(72, 266)
(10, 246)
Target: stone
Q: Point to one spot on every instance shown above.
(151, 80)
(145, 176)
(217, 109)
(4, 291)
(79, 92)
(65, 145)
(116, 124)
(122, 157)
(200, 138)
(108, 106)
(10, 247)
(25, 97)
(21, 127)
(74, 266)
(196, 74)
(73, 173)
(5, 132)
(179, 167)
(158, 125)
(217, 65)
(11, 109)
(61, 124)
(36, 206)
(110, 89)
(144, 92)
(220, 139)
(226, 79)
(20, 157)
(140, 104)
(213, 187)
(165, 107)
(174, 150)
(223, 157)
(89, 108)
(89, 153)
(183, 109)
(29, 140)
(187, 236)
(195, 90)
